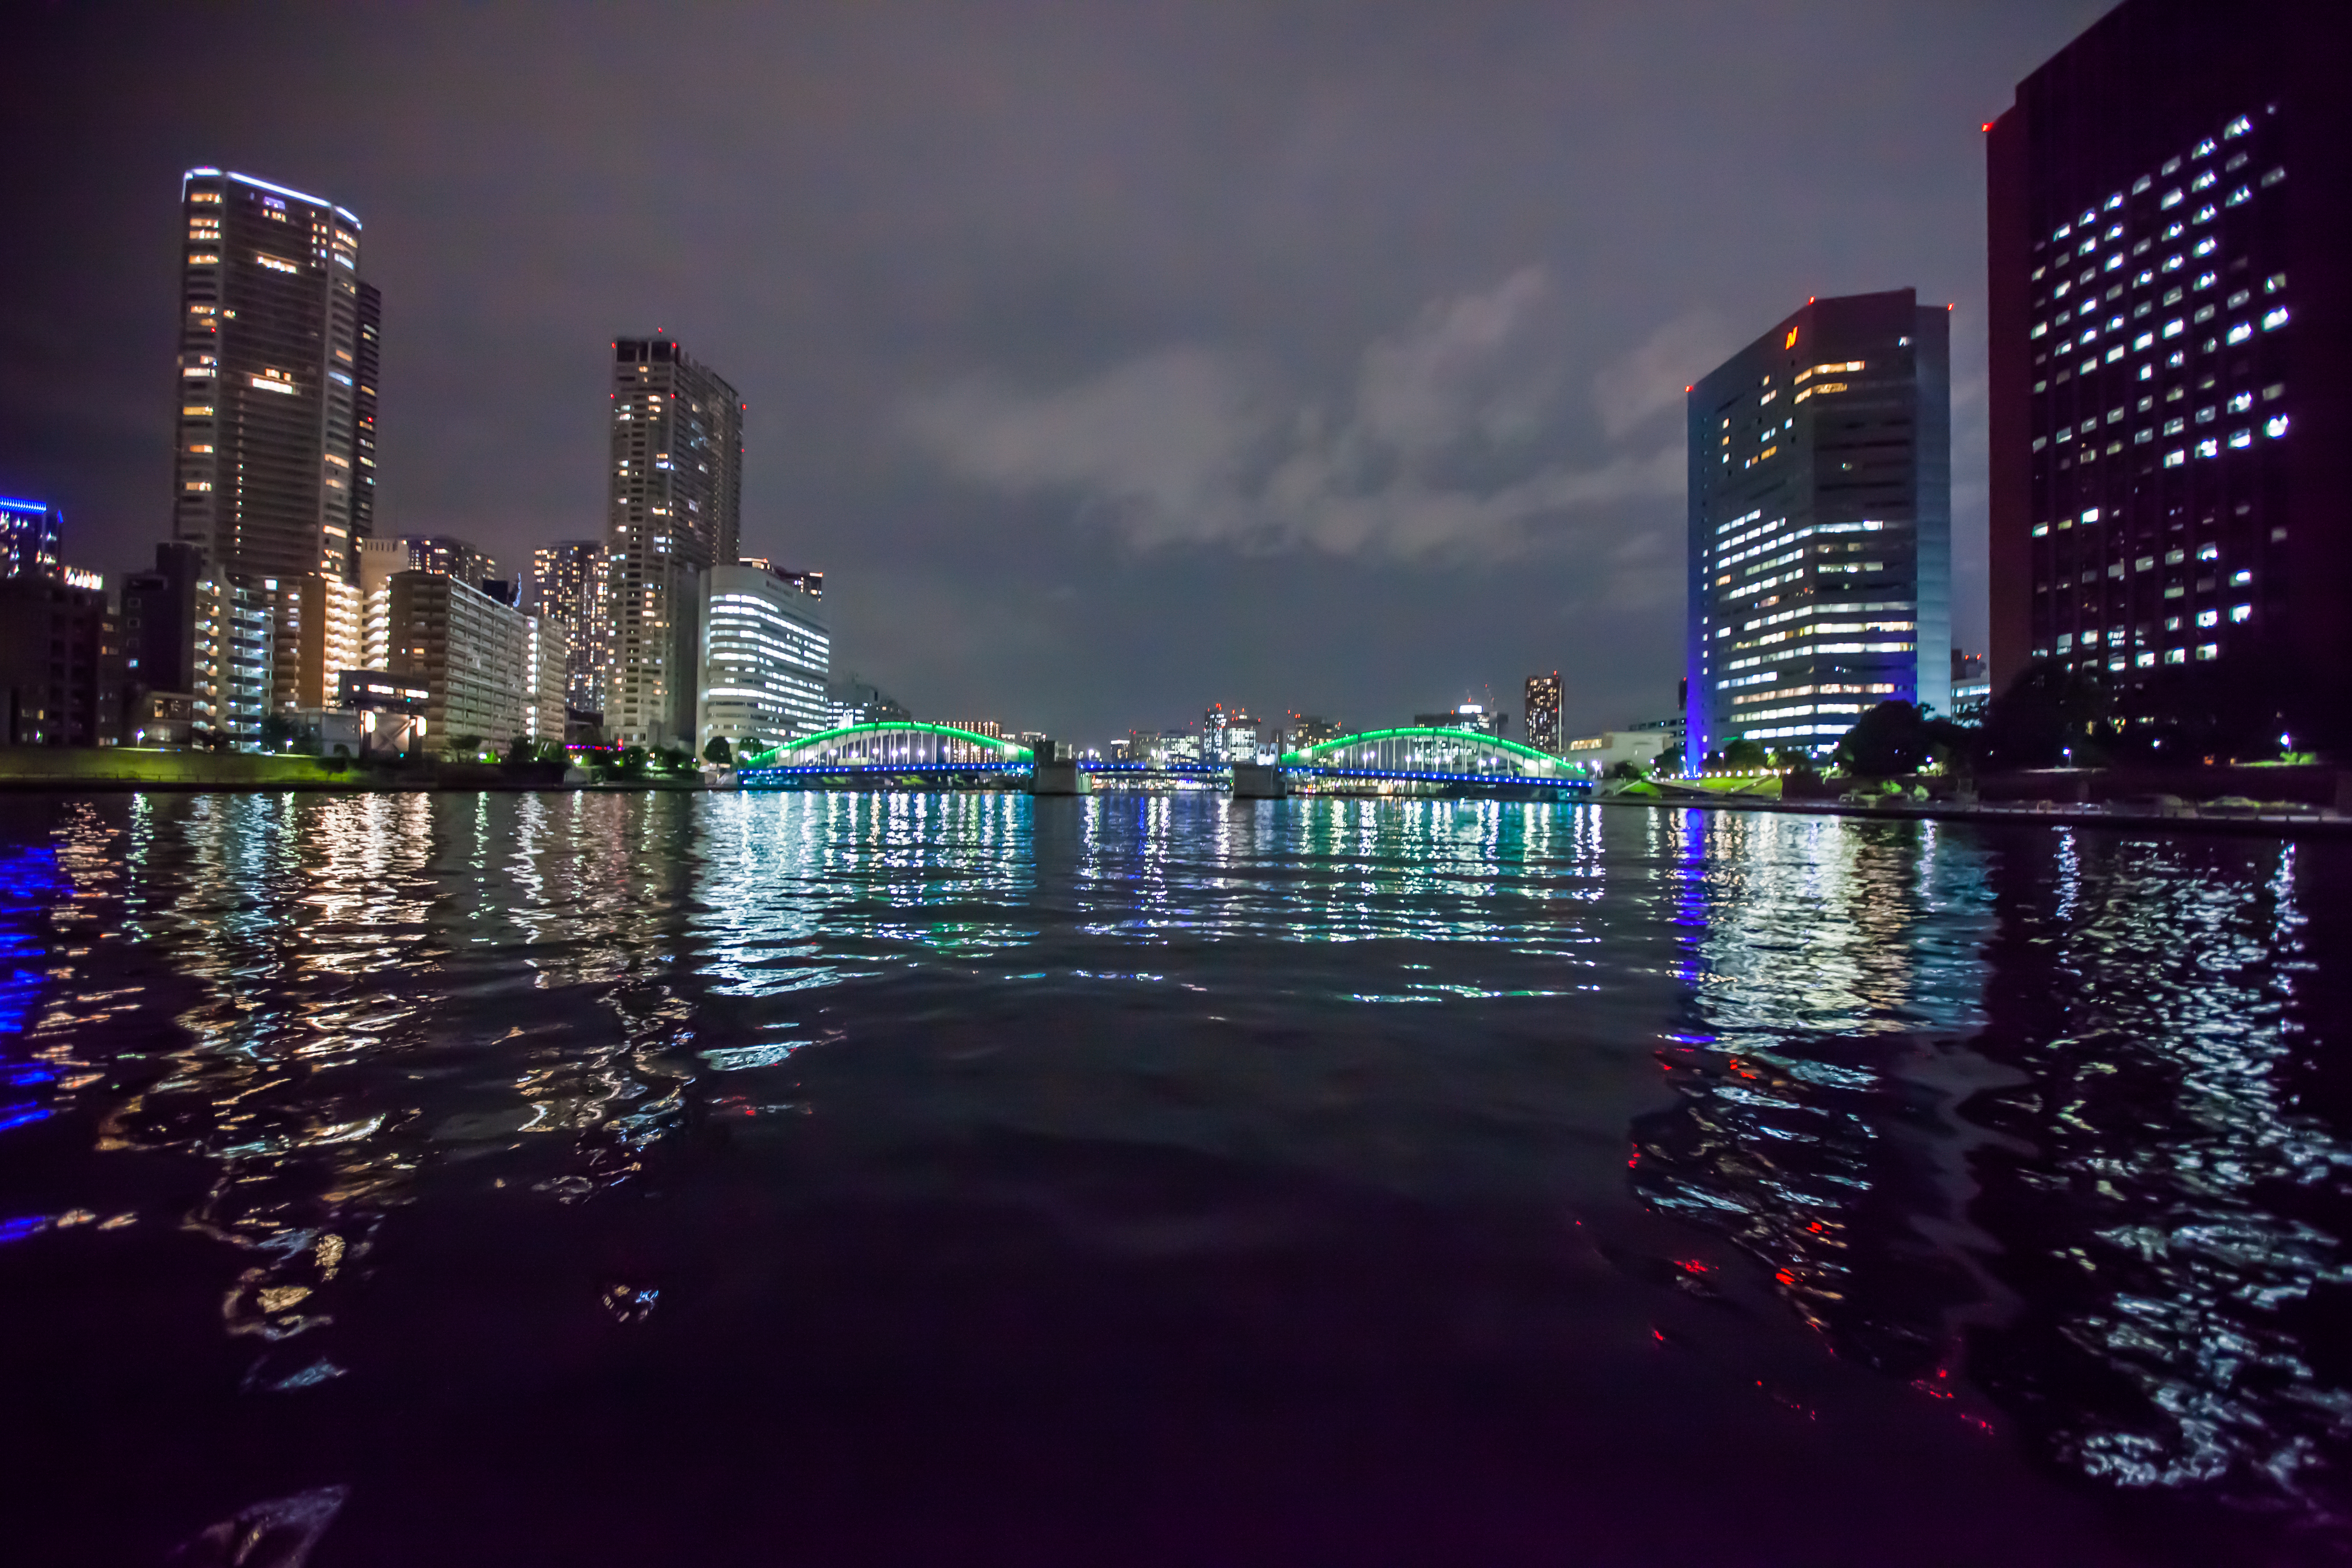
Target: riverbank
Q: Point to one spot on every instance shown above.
(2273, 819)
(137, 768)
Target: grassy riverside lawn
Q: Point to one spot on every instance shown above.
(1755, 786)
(137, 767)
(64, 767)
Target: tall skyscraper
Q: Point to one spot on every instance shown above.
(677, 505)
(1821, 520)
(271, 351)
(366, 358)
(566, 582)
(2170, 213)
(275, 473)
(1543, 711)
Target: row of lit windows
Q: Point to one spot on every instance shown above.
(2147, 277)
(1834, 689)
(2238, 331)
(2274, 429)
(2238, 403)
(2145, 658)
(2200, 180)
(2089, 308)
(1803, 710)
(1808, 611)
(1736, 556)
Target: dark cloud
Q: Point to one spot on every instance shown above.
(1109, 359)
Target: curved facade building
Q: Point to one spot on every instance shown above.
(766, 657)
(1820, 526)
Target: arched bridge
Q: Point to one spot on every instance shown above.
(1379, 760)
(889, 749)
(1419, 756)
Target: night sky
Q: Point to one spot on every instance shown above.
(1110, 359)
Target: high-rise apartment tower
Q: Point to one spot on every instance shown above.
(1821, 520)
(2171, 215)
(677, 478)
(566, 582)
(277, 344)
(274, 469)
(1543, 711)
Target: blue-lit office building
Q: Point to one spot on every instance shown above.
(28, 539)
(1821, 521)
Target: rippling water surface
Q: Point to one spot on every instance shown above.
(964, 1179)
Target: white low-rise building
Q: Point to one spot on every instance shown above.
(767, 657)
(547, 659)
(1598, 755)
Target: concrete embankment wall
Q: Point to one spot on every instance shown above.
(2314, 785)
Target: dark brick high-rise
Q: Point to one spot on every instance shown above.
(2170, 357)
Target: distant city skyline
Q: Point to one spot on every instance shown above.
(1359, 398)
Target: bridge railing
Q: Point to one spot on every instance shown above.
(905, 744)
(1436, 756)
(1444, 753)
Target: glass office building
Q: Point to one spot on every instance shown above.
(1820, 526)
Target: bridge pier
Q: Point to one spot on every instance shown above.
(1259, 781)
(1054, 771)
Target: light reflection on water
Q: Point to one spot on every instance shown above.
(2087, 1146)
(2184, 1201)
(2028, 1113)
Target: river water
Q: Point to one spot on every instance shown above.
(860, 1178)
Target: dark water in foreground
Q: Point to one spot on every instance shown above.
(863, 1179)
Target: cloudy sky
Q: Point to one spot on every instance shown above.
(1110, 358)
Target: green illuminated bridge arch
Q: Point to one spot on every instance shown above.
(897, 744)
(1440, 758)
(1421, 752)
